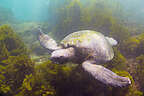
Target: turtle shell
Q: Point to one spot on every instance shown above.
(92, 43)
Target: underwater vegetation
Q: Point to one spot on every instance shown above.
(21, 77)
(22, 73)
(14, 61)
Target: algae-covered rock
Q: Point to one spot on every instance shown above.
(11, 42)
(14, 61)
(140, 71)
(131, 90)
(130, 46)
(133, 46)
(68, 80)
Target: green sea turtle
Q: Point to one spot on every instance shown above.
(89, 48)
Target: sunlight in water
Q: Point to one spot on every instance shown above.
(71, 47)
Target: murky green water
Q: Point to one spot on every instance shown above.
(30, 62)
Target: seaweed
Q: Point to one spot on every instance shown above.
(21, 76)
(14, 61)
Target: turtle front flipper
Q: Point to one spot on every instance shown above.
(47, 42)
(105, 75)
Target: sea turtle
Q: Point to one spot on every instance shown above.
(89, 48)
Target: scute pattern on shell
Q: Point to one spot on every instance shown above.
(91, 42)
(77, 37)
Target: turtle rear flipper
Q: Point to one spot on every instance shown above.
(47, 42)
(104, 75)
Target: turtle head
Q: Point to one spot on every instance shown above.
(62, 55)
